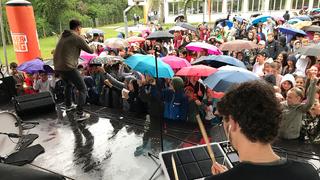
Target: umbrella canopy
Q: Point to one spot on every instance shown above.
(186, 26)
(218, 61)
(279, 18)
(34, 66)
(134, 39)
(175, 62)
(105, 60)
(95, 31)
(238, 45)
(238, 18)
(302, 24)
(227, 76)
(294, 21)
(196, 70)
(312, 28)
(313, 50)
(260, 19)
(303, 18)
(146, 65)
(160, 35)
(292, 31)
(176, 28)
(116, 43)
(199, 46)
(87, 56)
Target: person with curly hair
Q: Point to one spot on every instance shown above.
(251, 119)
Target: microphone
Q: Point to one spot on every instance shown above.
(11, 135)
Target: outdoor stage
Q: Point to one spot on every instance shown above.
(104, 146)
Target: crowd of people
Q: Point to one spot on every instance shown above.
(294, 76)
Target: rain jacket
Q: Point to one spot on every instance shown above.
(67, 51)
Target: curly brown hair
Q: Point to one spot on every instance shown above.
(253, 105)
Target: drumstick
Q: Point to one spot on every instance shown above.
(175, 172)
(206, 139)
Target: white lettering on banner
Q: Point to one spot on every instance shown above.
(20, 42)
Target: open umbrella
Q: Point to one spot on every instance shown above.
(146, 65)
(105, 60)
(260, 19)
(291, 31)
(312, 28)
(218, 61)
(34, 66)
(160, 35)
(303, 18)
(95, 31)
(302, 24)
(294, 21)
(227, 76)
(313, 50)
(238, 45)
(134, 39)
(175, 62)
(196, 70)
(199, 46)
(116, 43)
(186, 26)
(176, 28)
(87, 56)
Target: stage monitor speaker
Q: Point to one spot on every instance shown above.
(33, 104)
(7, 89)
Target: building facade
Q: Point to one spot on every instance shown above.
(197, 10)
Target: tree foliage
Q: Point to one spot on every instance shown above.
(52, 16)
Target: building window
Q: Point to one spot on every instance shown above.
(193, 7)
(256, 5)
(276, 5)
(316, 3)
(173, 8)
(216, 6)
(299, 4)
(234, 5)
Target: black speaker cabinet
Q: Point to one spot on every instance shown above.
(7, 89)
(33, 104)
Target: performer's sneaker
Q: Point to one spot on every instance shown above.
(70, 108)
(81, 117)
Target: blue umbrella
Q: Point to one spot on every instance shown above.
(146, 65)
(291, 31)
(294, 21)
(238, 18)
(32, 66)
(95, 31)
(303, 18)
(260, 19)
(218, 61)
(228, 76)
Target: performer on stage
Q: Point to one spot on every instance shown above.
(65, 60)
(251, 116)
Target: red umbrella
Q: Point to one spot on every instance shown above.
(134, 39)
(197, 70)
(176, 62)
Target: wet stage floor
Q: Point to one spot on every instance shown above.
(104, 147)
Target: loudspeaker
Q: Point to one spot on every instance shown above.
(32, 104)
(7, 89)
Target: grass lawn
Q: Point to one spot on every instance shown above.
(49, 43)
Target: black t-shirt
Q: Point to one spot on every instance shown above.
(290, 170)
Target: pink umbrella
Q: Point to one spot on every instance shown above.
(87, 57)
(199, 46)
(176, 62)
(197, 70)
